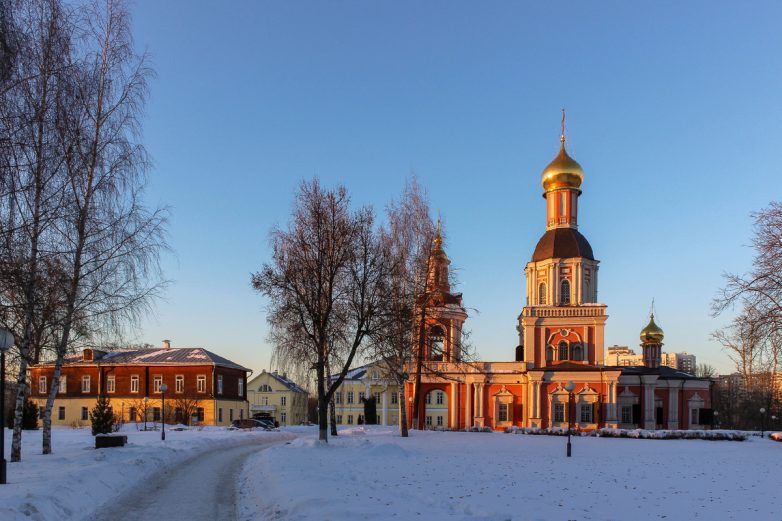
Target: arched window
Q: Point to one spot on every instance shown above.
(549, 353)
(436, 336)
(578, 352)
(542, 293)
(565, 292)
(563, 348)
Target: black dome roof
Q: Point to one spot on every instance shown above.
(562, 243)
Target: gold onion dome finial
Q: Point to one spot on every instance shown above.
(563, 171)
(652, 333)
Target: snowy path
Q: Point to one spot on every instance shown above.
(200, 488)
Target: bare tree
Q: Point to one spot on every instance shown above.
(187, 405)
(705, 371)
(33, 185)
(112, 269)
(408, 239)
(324, 283)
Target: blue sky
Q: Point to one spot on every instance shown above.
(673, 111)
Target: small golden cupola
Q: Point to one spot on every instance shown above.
(652, 344)
(652, 333)
(563, 171)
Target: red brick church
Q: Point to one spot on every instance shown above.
(561, 333)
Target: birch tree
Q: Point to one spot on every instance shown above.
(113, 240)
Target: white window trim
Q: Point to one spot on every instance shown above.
(157, 381)
(111, 384)
(42, 384)
(180, 378)
(201, 383)
(134, 379)
(63, 384)
(219, 384)
(86, 379)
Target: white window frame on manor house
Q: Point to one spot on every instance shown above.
(179, 383)
(134, 383)
(63, 384)
(201, 383)
(111, 384)
(86, 383)
(42, 384)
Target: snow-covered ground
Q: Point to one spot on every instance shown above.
(76, 479)
(374, 474)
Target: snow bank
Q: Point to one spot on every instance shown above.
(660, 434)
(77, 479)
(372, 473)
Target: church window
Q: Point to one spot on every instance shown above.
(586, 413)
(429, 421)
(549, 353)
(503, 412)
(394, 399)
(559, 412)
(440, 397)
(429, 398)
(563, 348)
(578, 352)
(542, 293)
(350, 396)
(350, 419)
(436, 336)
(338, 397)
(562, 196)
(627, 414)
(565, 292)
(439, 421)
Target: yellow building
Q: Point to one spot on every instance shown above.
(363, 382)
(274, 396)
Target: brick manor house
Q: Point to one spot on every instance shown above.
(561, 340)
(202, 386)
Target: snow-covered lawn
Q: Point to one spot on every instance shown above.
(74, 481)
(376, 475)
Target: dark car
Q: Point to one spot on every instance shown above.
(251, 424)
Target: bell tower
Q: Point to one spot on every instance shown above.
(562, 319)
(445, 314)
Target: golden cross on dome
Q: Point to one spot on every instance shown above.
(562, 136)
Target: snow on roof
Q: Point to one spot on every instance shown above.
(173, 356)
(290, 384)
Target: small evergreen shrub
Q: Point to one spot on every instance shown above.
(101, 416)
(30, 414)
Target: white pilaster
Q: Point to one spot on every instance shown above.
(468, 404)
(384, 418)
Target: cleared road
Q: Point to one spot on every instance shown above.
(200, 488)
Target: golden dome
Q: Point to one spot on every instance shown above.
(652, 334)
(563, 172)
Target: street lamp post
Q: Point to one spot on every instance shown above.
(762, 422)
(6, 341)
(163, 389)
(569, 388)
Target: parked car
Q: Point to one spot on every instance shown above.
(251, 424)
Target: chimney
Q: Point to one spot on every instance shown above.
(166, 344)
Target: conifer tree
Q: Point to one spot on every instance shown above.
(102, 416)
